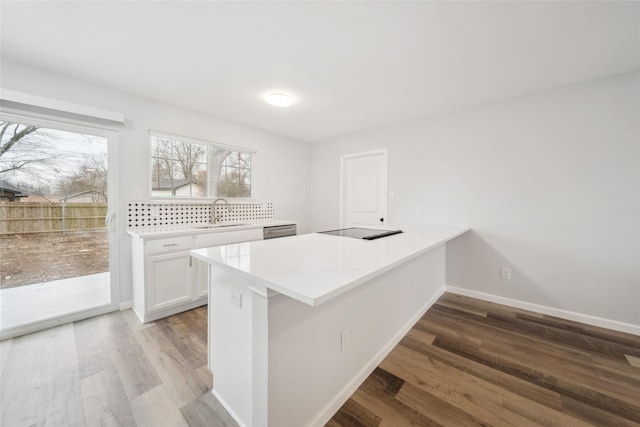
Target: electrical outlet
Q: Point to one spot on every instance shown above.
(419, 210)
(505, 273)
(344, 340)
(236, 299)
(392, 194)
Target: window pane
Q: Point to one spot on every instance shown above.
(161, 147)
(187, 168)
(199, 181)
(235, 176)
(161, 178)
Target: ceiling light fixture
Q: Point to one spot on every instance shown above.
(278, 99)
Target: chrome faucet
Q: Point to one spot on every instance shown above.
(215, 218)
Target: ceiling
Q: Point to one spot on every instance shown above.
(350, 66)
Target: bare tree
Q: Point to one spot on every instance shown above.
(189, 162)
(188, 156)
(27, 149)
(18, 134)
(236, 179)
(40, 188)
(90, 177)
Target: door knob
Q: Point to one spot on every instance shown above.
(381, 219)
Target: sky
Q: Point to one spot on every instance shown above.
(72, 148)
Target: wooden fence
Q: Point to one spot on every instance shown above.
(32, 217)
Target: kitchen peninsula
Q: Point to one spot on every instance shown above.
(297, 323)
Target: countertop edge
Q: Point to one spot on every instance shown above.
(343, 288)
(187, 230)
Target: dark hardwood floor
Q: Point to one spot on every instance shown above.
(474, 363)
(465, 363)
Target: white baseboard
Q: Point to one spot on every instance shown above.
(325, 414)
(125, 305)
(550, 311)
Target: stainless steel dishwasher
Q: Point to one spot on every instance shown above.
(275, 231)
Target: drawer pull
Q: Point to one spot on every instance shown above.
(170, 244)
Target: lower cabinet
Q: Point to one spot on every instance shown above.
(201, 270)
(171, 279)
(166, 279)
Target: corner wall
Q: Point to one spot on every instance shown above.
(549, 184)
(281, 164)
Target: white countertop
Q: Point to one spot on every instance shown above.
(192, 229)
(314, 268)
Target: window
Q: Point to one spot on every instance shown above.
(185, 167)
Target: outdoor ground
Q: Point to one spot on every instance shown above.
(26, 259)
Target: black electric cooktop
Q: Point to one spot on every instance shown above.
(362, 233)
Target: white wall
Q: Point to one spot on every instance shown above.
(549, 184)
(281, 164)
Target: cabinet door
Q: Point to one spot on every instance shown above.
(169, 280)
(202, 277)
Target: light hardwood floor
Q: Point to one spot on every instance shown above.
(465, 363)
(111, 371)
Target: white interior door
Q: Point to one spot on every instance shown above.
(363, 179)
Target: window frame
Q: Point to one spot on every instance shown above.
(208, 144)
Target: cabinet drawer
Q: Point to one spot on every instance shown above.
(226, 238)
(169, 245)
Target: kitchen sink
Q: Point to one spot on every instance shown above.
(235, 224)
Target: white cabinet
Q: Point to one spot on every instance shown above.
(166, 279)
(201, 269)
(170, 276)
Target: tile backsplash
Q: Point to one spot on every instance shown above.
(149, 214)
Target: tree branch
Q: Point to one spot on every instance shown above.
(17, 136)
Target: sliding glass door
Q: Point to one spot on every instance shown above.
(54, 236)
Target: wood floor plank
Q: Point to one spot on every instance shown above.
(134, 367)
(633, 361)
(40, 382)
(548, 360)
(489, 307)
(582, 329)
(183, 383)
(105, 401)
(471, 362)
(207, 411)
(462, 306)
(598, 364)
(466, 362)
(592, 414)
(548, 398)
(155, 408)
(462, 391)
(353, 414)
(437, 410)
(380, 391)
(575, 362)
(577, 339)
(93, 337)
(545, 372)
(110, 370)
(192, 347)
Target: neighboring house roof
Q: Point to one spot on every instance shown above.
(168, 184)
(6, 188)
(38, 198)
(76, 195)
